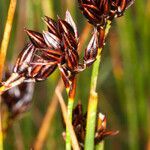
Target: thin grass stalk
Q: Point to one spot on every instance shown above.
(6, 36)
(68, 138)
(3, 51)
(93, 101)
(71, 97)
(68, 123)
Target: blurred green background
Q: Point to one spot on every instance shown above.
(123, 85)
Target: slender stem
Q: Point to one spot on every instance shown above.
(6, 35)
(74, 140)
(92, 107)
(95, 72)
(70, 109)
(71, 96)
(93, 100)
(3, 51)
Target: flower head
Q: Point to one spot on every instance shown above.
(79, 124)
(60, 44)
(57, 47)
(17, 99)
(32, 66)
(99, 11)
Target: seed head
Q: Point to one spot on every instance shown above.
(19, 98)
(99, 11)
(56, 47)
(31, 66)
(79, 124)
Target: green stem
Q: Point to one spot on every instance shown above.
(93, 101)
(92, 107)
(70, 109)
(71, 95)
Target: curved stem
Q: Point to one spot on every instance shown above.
(93, 100)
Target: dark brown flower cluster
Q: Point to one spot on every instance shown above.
(79, 124)
(99, 11)
(57, 47)
(17, 99)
